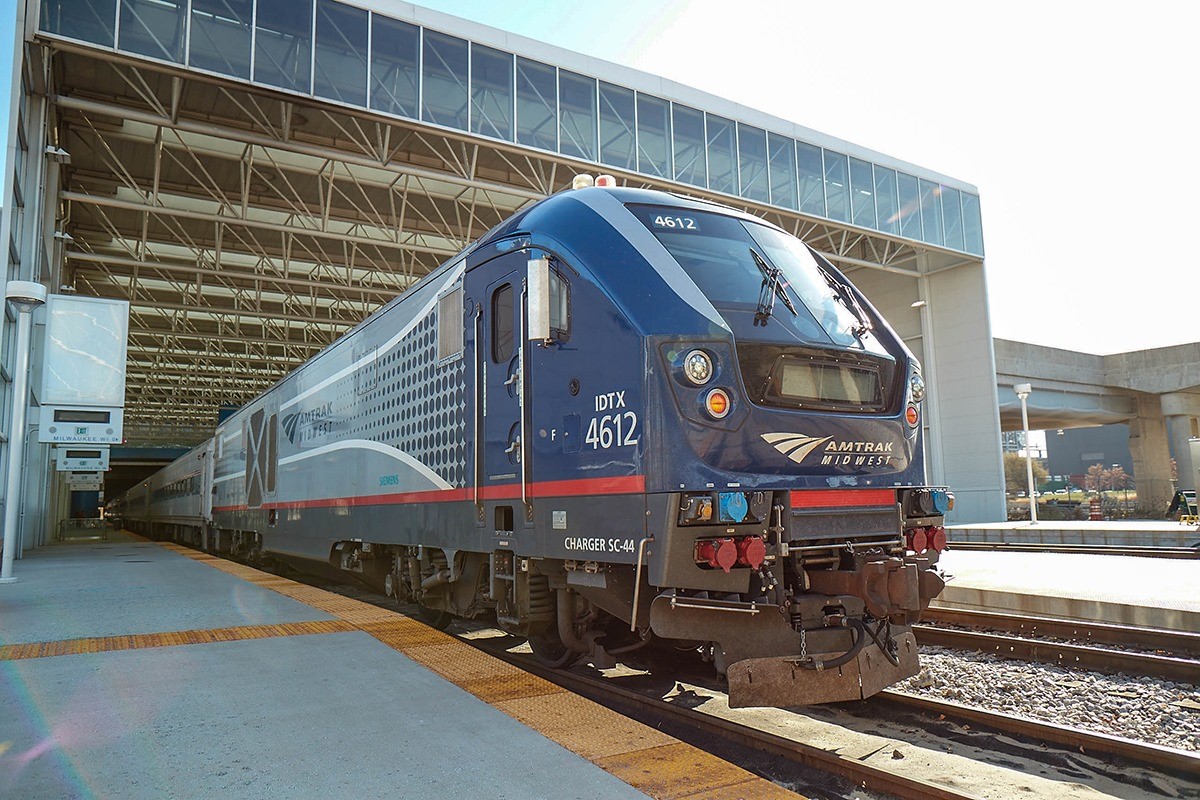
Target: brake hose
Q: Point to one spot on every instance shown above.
(845, 658)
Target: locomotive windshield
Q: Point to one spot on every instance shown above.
(731, 260)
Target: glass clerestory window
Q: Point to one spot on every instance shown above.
(577, 115)
(537, 105)
(687, 128)
(752, 163)
(85, 20)
(452, 82)
(617, 127)
(783, 170)
(395, 66)
(444, 75)
(722, 155)
(491, 92)
(154, 28)
(283, 44)
(221, 36)
(654, 136)
(340, 67)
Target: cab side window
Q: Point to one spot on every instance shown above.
(502, 324)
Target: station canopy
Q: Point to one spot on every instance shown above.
(256, 178)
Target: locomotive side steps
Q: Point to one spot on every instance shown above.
(144, 669)
(1120, 590)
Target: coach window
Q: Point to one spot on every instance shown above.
(502, 324)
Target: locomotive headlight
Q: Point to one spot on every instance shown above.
(698, 367)
(916, 387)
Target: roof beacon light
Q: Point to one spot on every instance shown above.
(606, 181)
(582, 181)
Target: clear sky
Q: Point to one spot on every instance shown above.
(1076, 121)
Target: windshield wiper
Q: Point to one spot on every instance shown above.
(845, 294)
(771, 288)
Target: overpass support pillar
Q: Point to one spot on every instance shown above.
(1182, 411)
(1148, 444)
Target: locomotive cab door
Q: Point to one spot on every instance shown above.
(503, 469)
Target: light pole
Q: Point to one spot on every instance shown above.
(1023, 391)
(26, 296)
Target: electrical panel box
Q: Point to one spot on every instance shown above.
(81, 459)
(82, 394)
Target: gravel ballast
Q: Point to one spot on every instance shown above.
(1120, 705)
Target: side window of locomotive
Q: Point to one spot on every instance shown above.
(560, 306)
(502, 324)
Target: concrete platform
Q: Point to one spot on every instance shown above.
(1148, 592)
(137, 670)
(1143, 533)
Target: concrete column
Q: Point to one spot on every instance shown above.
(1182, 410)
(1148, 444)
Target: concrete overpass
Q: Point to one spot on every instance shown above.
(1156, 391)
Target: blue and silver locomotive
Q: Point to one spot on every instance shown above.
(620, 416)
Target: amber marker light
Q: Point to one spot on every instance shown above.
(913, 416)
(716, 403)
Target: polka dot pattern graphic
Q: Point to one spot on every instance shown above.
(417, 404)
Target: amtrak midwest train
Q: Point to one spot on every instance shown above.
(620, 416)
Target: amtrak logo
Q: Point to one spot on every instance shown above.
(305, 425)
(794, 445)
(834, 452)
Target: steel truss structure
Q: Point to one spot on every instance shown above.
(249, 228)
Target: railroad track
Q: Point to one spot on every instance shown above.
(1174, 659)
(1084, 549)
(651, 709)
(686, 721)
(641, 705)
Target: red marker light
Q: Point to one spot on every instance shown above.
(606, 181)
(913, 416)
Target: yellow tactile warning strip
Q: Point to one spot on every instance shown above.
(140, 641)
(650, 761)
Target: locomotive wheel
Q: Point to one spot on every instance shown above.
(549, 649)
(435, 618)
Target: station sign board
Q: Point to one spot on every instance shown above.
(81, 425)
(84, 481)
(81, 459)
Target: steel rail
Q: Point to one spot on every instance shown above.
(1183, 643)
(1143, 551)
(1067, 655)
(1182, 762)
